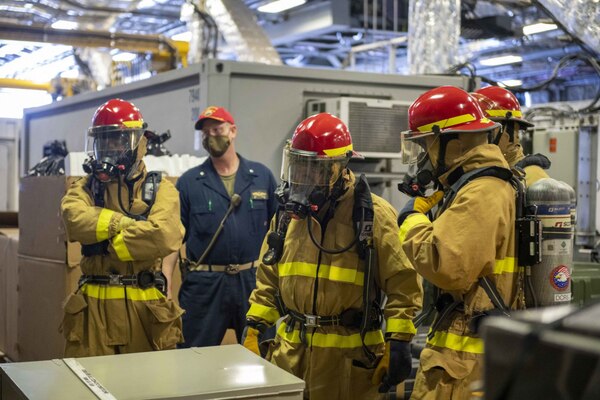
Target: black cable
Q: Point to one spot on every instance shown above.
(336, 251)
(472, 73)
(213, 30)
(207, 26)
(563, 62)
(125, 211)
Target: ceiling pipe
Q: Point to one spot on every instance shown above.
(155, 44)
(24, 84)
(162, 13)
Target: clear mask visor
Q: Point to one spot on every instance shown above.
(307, 173)
(113, 144)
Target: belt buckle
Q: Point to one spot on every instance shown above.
(114, 280)
(311, 321)
(232, 269)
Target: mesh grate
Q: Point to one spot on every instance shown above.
(377, 129)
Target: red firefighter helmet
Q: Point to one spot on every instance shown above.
(443, 110)
(318, 152)
(324, 135)
(485, 103)
(506, 105)
(117, 127)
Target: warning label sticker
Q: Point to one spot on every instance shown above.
(562, 297)
(557, 247)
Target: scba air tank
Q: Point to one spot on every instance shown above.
(573, 197)
(550, 281)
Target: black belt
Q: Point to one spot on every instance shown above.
(143, 280)
(350, 318)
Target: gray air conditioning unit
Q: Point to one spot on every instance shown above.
(375, 124)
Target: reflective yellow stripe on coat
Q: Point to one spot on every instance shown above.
(410, 222)
(120, 248)
(397, 325)
(106, 292)
(268, 314)
(330, 272)
(456, 342)
(330, 339)
(103, 224)
(506, 265)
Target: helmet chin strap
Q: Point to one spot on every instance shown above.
(441, 168)
(510, 129)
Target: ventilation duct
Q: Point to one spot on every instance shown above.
(238, 26)
(579, 17)
(433, 33)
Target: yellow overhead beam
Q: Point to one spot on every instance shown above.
(156, 44)
(23, 84)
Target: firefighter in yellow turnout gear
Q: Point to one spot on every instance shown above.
(320, 292)
(471, 240)
(119, 306)
(500, 105)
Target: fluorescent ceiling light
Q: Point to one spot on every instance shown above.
(502, 60)
(71, 73)
(146, 4)
(187, 10)
(62, 24)
(124, 57)
(183, 36)
(280, 5)
(538, 28)
(512, 82)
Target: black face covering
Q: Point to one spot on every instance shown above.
(304, 199)
(425, 172)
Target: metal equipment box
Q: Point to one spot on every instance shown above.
(221, 372)
(585, 281)
(375, 124)
(546, 353)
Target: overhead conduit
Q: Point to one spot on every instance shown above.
(577, 17)
(155, 44)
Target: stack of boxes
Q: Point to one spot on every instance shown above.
(48, 268)
(9, 242)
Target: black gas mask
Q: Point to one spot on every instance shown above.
(114, 153)
(418, 178)
(313, 180)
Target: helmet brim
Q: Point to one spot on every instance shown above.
(482, 125)
(357, 156)
(521, 121)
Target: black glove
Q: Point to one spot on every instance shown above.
(535, 159)
(395, 365)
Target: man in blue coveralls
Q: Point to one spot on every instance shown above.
(238, 194)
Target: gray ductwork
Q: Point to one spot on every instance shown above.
(433, 33)
(581, 18)
(195, 25)
(241, 31)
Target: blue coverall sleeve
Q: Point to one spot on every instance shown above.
(185, 207)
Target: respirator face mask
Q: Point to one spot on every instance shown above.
(112, 152)
(311, 179)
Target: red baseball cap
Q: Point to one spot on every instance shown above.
(216, 113)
